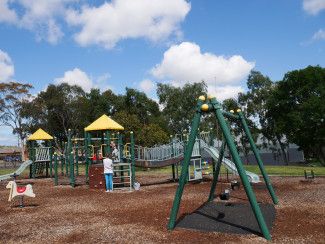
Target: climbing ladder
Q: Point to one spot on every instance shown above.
(122, 175)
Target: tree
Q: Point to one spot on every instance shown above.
(57, 109)
(138, 103)
(297, 107)
(12, 96)
(241, 139)
(179, 104)
(151, 135)
(130, 122)
(254, 103)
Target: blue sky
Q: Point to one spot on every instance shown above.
(137, 43)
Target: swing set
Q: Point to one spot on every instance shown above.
(211, 105)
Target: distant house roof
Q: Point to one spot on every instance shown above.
(40, 135)
(104, 123)
(10, 150)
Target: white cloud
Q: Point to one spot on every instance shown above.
(7, 69)
(224, 92)
(147, 86)
(186, 63)
(41, 17)
(313, 6)
(80, 78)
(109, 23)
(319, 35)
(76, 77)
(7, 14)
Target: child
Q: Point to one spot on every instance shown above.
(115, 153)
(108, 172)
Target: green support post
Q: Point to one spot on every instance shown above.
(56, 178)
(184, 173)
(258, 158)
(62, 164)
(51, 159)
(248, 188)
(217, 171)
(72, 179)
(33, 159)
(30, 158)
(66, 159)
(108, 142)
(77, 160)
(119, 146)
(132, 159)
(173, 165)
(86, 151)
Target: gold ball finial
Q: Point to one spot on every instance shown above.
(210, 96)
(205, 107)
(238, 110)
(232, 111)
(202, 98)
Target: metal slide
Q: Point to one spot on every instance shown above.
(214, 153)
(21, 168)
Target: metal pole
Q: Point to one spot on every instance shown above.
(66, 160)
(86, 146)
(71, 161)
(187, 158)
(51, 159)
(258, 158)
(132, 159)
(56, 178)
(77, 159)
(248, 188)
(62, 164)
(216, 172)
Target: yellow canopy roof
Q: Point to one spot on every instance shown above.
(39, 135)
(104, 123)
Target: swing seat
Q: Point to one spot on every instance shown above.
(225, 195)
(235, 185)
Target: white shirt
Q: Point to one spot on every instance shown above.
(108, 166)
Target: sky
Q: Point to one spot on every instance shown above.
(138, 43)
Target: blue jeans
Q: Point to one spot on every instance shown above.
(109, 181)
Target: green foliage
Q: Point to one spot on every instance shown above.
(138, 103)
(152, 134)
(129, 121)
(12, 97)
(179, 104)
(254, 104)
(56, 109)
(297, 107)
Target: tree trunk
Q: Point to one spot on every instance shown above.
(22, 150)
(283, 152)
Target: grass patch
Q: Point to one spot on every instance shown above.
(271, 170)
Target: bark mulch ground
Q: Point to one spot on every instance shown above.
(62, 214)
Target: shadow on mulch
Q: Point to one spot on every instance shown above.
(237, 218)
(17, 206)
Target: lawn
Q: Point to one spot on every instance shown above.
(271, 170)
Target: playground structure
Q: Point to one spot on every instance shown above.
(40, 154)
(213, 106)
(104, 136)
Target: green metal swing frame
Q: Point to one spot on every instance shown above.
(213, 106)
